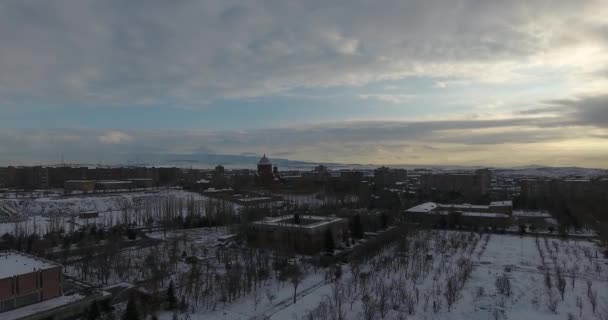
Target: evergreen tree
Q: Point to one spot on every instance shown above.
(329, 241)
(357, 227)
(171, 300)
(93, 312)
(131, 311)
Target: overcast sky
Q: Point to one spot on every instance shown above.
(468, 82)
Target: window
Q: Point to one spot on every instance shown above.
(25, 300)
(6, 305)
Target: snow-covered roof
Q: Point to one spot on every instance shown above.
(537, 214)
(13, 263)
(485, 215)
(501, 203)
(425, 207)
(463, 206)
(113, 182)
(254, 199)
(286, 221)
(264, 160)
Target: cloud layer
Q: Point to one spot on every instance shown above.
(191, 52)
(527, 78)
(572, 132)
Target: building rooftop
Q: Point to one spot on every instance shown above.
(425, 207)
(306, 221)
(463, 206)
(113, 182)
(13, 263)
(501, 203)
(264, 160)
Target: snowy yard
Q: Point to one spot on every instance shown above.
(440, 275)
(43, 214)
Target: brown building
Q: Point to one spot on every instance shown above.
(84, 186)
(26, 177)
(350, 176)
(113, 185)
(265, 175)
(470, 185)
(3, 176)
(57, 176)
(26, 279)
(386, 177)
(301, 234)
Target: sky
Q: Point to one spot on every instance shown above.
(452, 82)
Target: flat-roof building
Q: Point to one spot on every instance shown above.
(27, 279)
(298, 233)
(496, 214)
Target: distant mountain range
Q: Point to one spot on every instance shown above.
(210, 160)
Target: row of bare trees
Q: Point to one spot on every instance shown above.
(421, 272)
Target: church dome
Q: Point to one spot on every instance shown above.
(264, 161)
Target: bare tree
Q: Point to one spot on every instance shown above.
(257, 298)
(270, 296)
(296, 275)
(451, 292)
(552, 304)
(593, 300)
(338, 296)
(369, 307)
(573, 272)
(384, 293)
(410, 303)
(548, 280)
(561, 285)
(503, 285)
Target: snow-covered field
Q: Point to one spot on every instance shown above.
(437, 267)
(31, 215)
(74, 204)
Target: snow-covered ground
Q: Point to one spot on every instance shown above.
(38, 215)
(75, 204)
(413, 283)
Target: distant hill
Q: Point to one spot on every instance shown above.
(210, 160)
(552, 172)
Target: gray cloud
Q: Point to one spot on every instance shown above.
(190, 52)
(590, 110)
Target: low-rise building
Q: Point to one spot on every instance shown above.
(113, 185)
(142, 182)
(301, 234)
(471, 185)
(79, 185)
(497, 214)
(26, 279)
